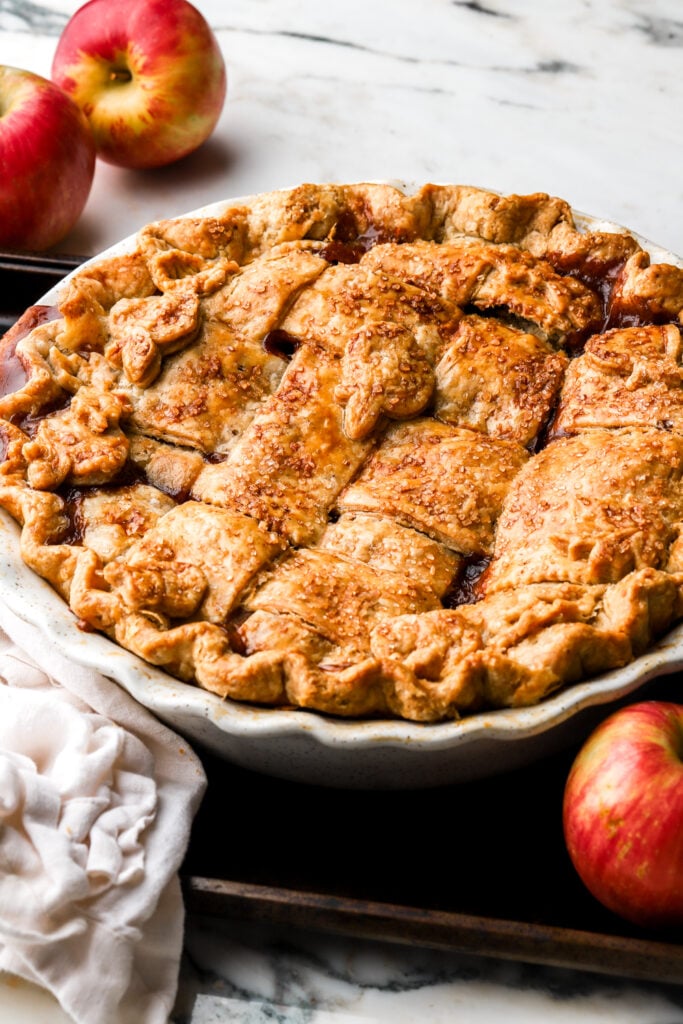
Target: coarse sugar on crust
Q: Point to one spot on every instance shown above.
(358, 451)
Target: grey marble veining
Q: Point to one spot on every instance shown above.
(18, 16)
(581, 99)
(253, 974)
(661, 31)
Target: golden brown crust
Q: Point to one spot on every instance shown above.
(294, 458)
(498, 380)
(627, 377)
(650, 290)
(591, 509)
(384, 544)
(271, 451)
(311, 582)
(446, 482)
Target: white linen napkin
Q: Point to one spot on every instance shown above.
(96, 803)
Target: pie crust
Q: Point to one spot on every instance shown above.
(360, 452)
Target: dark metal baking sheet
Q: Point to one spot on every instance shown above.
(25, 277)
(477, 868)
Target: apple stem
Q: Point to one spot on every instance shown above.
(120, 75)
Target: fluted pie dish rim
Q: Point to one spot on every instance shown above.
(311, 746)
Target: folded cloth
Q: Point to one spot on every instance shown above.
(96, 803)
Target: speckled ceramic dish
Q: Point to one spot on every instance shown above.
(309, 747)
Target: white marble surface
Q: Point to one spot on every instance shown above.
(251, 975)
(582, 99)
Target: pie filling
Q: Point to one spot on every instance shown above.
(359, 452)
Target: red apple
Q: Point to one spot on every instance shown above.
(148, 74)
(47, 161)
(623, 813)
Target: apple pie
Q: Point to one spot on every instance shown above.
(361, 452)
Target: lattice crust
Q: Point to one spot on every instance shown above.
(358, 451)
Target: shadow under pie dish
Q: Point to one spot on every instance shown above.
(407, 457)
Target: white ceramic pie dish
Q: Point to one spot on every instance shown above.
(313, 748)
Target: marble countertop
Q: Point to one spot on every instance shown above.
(581, 99)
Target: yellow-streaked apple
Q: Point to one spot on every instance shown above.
(47, 161)
(623, 813)
(149, 76)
